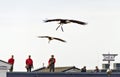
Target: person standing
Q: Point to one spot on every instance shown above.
(29, 63)
(11, 61)
(83, 69)
(51, 63)
(96, 69)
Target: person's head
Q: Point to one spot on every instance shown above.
(29, 56)
(12, 56)
(84, 67)
(52, 56)
(96, 67)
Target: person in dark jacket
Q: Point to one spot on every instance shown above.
(96, 69)
(83, 69)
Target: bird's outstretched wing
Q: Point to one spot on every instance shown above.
(50, 20)
(59, 39)
(43, 36)
(78, 22)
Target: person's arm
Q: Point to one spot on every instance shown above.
(54, 60)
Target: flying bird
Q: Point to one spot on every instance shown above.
(65, 21)
(51, 38)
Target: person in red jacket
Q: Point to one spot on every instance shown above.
(11, 61)
(29, 63)
(51, 63)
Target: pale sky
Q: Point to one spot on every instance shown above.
(21, 21)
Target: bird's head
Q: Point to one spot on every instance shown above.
(50, 38)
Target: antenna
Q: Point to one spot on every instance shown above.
(43, 64)
(109, 57)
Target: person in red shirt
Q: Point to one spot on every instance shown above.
(51, 63)
(29, 63)
(11, 61)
